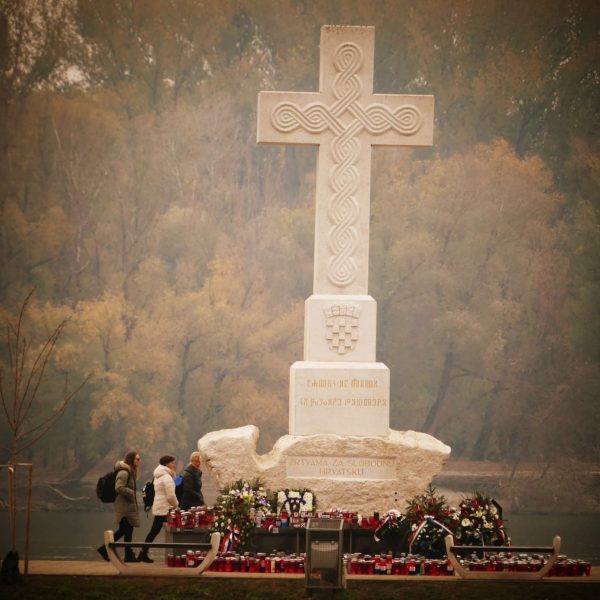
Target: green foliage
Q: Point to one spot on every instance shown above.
(429, 503)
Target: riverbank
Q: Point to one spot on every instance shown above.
(557, 488)
(67, 587)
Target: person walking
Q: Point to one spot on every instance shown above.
(164, 500)
(126, 513)
(192, 483)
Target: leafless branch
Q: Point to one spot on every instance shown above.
(26, 382)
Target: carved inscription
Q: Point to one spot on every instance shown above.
(343, 392)
(340, 467)
(347, 401)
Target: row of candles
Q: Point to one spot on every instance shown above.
(248, 562)
(203, 517)
(380, 564)
(407, 564)
(563, 567)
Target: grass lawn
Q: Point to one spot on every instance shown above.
(41, 587)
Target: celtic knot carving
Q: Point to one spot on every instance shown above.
(344, 178)
(315, 118)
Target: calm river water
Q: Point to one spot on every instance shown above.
(70, 535)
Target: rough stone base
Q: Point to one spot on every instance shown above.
(363, 474)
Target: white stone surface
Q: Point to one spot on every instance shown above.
(340, 328)
(340, 445)
(342, 398)
(367, 473)
(345, 118)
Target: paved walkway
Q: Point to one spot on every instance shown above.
(101, 568)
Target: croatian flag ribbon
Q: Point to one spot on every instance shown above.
(427, 519)
(231, 538)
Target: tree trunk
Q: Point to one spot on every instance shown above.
(482, 443)
(429, 426)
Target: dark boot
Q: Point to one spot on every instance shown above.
(143, 557)
(103, 553)
(130, 555)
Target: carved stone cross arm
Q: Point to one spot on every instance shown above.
(344, 118)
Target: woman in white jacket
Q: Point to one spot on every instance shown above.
(164, 500)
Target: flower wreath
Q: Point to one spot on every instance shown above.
(430, 520)
(481, 522)
(392, 522)
(423, 526)
(236, 509)
(295, 501)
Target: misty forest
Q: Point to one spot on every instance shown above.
(174, 254)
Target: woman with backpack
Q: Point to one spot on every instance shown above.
(164, 500)
(125, 506)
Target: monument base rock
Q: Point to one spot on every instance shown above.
(358, 473)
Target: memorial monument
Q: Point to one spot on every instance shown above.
(340, 444)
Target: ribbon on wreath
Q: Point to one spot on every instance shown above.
(391, 519)
(503, 537)
(230, 539)
(427, 519)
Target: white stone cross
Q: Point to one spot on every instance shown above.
(344, 118)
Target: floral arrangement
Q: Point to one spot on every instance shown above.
(429, 520)
(480, 522)
(295, 501)
(391, 523)
(238, 506)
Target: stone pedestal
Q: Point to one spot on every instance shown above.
(362, 473)
(340, 397)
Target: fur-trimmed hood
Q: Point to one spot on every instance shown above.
(120, 464)
(161, 471)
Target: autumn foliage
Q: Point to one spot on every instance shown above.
(134, 198)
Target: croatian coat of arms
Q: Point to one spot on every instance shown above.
(342, 327)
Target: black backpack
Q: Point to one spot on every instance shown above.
(148, 495)
(105, 488)
(148, 492)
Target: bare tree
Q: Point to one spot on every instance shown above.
(20, 382)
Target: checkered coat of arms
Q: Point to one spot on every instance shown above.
(342, 327)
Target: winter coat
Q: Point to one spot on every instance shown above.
(126, 501)
(164, 491)
(192, 488)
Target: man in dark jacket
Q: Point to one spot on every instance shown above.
(192, 484)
